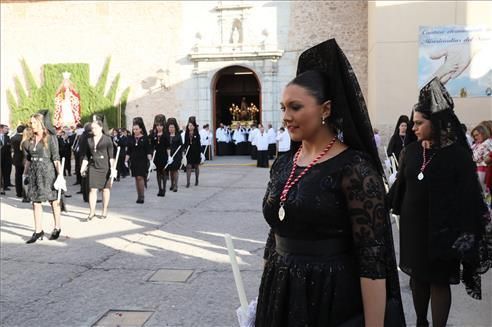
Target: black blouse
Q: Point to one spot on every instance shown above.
(342, 197)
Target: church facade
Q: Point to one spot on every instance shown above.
(189, 58)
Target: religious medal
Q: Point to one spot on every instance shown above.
(420, 176)
(281, 212)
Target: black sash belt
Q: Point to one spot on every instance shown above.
(325, 248)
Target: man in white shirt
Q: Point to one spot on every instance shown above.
(252, 139)
(283, 139)
(224, 145)
(239, 140)
(262, 146)
(272, 141)
(206, 141)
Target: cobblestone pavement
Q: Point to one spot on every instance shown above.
(111, 264)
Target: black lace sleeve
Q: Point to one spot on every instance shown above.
(364, 193)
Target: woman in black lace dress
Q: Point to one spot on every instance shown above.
(442, 212)
(329, 259)
(42, 171)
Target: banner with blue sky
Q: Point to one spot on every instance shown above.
(461, 56)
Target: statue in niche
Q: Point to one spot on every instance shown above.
(67, 104)
(236, 32)
(244, 109)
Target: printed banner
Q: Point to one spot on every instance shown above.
(461, 56)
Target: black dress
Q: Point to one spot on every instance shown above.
(42, 174)
(174, 143)
(336, 225)
(138, 149)
(435, 211)
(160, 145)
(395, 145)
(98, 157)
(193, 157)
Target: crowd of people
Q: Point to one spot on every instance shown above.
(103, 156)
(329, 255)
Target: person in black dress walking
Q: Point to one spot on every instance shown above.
(193, 148)
(43, 171)
(98, 166)
(139, 155)
(160, 142)
(176, 151)
(329, 256)
(442, 212)
(399, 138)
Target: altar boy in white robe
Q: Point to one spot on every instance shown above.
(262, 146)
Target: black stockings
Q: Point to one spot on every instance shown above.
(440, 296)
(140, 183)
(188, 173)
(161, 180)
(174, 174)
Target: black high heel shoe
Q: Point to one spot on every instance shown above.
(35, 237)
(55, 234)
(89, 217)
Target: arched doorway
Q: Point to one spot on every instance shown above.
(230, 86)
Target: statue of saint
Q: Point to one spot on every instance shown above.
(244, 109)
(67, 104)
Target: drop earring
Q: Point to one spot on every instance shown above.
(322, 121)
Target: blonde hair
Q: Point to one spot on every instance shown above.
(482, 129)
(28, 134)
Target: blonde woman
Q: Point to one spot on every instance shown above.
(42, 171)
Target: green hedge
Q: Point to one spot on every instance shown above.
(92, 98)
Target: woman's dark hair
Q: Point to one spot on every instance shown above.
(99, 122)
(401, 119)
(138, 121)
(318, 85)
(445, 128)
(159, 120)
(174, 122)
(191, 120)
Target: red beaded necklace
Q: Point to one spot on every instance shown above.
(291, 182)
(425, 163)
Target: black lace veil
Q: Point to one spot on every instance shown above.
(348, 106)
(437, 105)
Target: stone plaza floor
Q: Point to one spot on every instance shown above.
(163, 263)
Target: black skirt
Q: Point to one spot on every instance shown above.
(98, 178)
(309, 291)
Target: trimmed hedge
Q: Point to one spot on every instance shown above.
(92, 98)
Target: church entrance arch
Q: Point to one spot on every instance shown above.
(236, 97)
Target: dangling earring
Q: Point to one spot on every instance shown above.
(322, 121)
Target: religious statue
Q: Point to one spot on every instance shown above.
(244, 109)
(67, 104)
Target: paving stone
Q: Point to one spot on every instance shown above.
(122, 318)
(171, 275)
